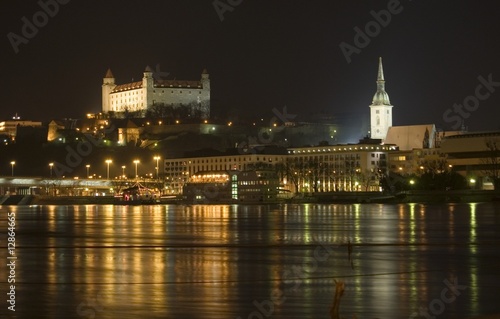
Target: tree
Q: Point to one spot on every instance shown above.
(492, 161)
(292, 170)
(369, 178)
(314, 169)
(158, 111)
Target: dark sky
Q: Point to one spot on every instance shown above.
(265, 54)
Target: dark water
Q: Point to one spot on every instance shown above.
(253, 261)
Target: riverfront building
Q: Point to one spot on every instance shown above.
(476, 156)
(247, 186)
(178, 171)
(349, 167)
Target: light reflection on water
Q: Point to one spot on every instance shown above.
(215, 261)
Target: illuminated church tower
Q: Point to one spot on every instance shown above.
(381, 108)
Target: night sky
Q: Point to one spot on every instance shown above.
(263, 55)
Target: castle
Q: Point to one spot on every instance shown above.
(152, 90)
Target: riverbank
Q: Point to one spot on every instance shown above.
(425, 196)
(462, 196)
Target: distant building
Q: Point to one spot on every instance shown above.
(178, 171)
(55, 126)
(10, 127)
(348, 167)
(475, 156)
(419, 148)
(416, 161)
(380, 109)
(129, 133)
(152, 90)
(411, 137)
(239, 186)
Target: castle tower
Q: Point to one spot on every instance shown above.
(381, 108)
(204, 100)
(108, 84)
(147, 87)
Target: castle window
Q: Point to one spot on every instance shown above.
(180, 92)
(387, 111)
(377, 112)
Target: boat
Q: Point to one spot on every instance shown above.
(138, 194)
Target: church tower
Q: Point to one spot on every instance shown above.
(381, 108)
(108, 85)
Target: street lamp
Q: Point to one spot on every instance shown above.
(123, 171)
(13, 163)
(136, 162)
(108, 161)
(88, 170)
(157, 158)
(472, 183)
(51, 165)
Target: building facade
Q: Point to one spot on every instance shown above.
(475, 156)
(152, 90)
(254, 186)
(9, 128)
(179, 171)
(352, 167)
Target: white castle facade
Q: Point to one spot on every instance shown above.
(152, 90)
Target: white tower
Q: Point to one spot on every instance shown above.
(381, 108)
(147, 87)
(108, 84)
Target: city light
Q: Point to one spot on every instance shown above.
(157, 158)
(136, 162)
(13, 163)
(108, 161)
(88, 170)
(123, 171)
(51, 165)
(472, 182)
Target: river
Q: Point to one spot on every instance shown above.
(251, 261)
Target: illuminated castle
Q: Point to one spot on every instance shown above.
(152, 90)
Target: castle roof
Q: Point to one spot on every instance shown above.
(177, 84)
(159, 84)
(127, 87)
(109, 74)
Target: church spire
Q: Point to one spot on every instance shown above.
(381, 97)
(380, 70)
